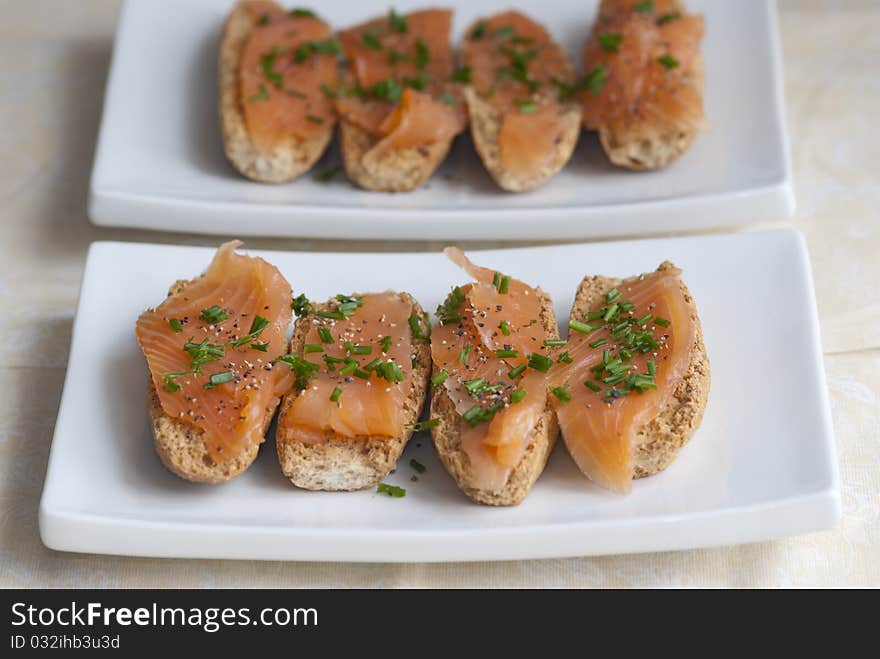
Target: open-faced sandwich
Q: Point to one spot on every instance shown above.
(274, 70)
(634, 376)
(361, 364)
(525, 120)
(213, 388)
(493, 426)
(644, 81)
(399, 110)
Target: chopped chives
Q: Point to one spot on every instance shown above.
(175, 324)
(644, 320)
(424, 425)
(516, 372)
(598, 342)
(668, 61)
(391, 490)
(220, 378)
(561, 393)
(465, 353)
(555, 342)
(496, 279)
(610, 42)
(612, 296)
(610, 312)
(418, 466)
(517, 395)
(592, 385)
(504, 286)
(505, 328)
(652, 367)
(662, 322)
(337, 392)
(564, 358)
(439, 378)
(363, 375)
(578, 326)
(385, 343)
(349, 368)
(262, 347)
(312, 347)
(506, 353)
(325, 335)
(373, 365)
(214, 315)
(415, 326)
(540, 362)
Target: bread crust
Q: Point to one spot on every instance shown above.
(292, 156)
(542, 438)
(346, 464)
(181, 446)
(659, 440)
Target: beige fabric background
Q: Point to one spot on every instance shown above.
(54, 57)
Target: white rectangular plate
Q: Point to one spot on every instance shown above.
(762, 465)
(160, 162)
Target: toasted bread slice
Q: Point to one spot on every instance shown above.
(485, 124)
(181, 445)
(341, 463)
(653, 149)
(542, 438)
(486, 121)
(652, 144)
(659, 440)
(293, 156)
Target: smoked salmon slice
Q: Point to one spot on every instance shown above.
(354, 369)
(490, 353)
(515, 66)
(641, 63)
(288, 64)
(400, 79)
(210, 350)
(621, 366)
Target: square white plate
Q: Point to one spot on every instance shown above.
(160, 163)
(762, 465)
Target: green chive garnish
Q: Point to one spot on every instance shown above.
(516, 372)
(564, 358)
(418, 466)
(668, 18)
(668, 61)
(592, 385)
(595, 80)
(464, 354)
(261, 95)
(175, 324)
(540, 362)
(505, 328)
(578, 326)
(385, 343)
(652, 367)
(612, 296)
(662, 322)
(598, 342)
(425, 425)
(315, 119)
(312, 347)
(610, 42)
(525, 105)
(645, 7)
(555, 342)
(214, 315)
(371, 40)
(506, 353)
(220, 378)
(337, 392)
(398, 22)
(610, 312)
(423, 55)
(439, 378)
(517, 395)
(391, 490)
(644, 320)
(325, 335)
(561, 393)
(462, 75)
